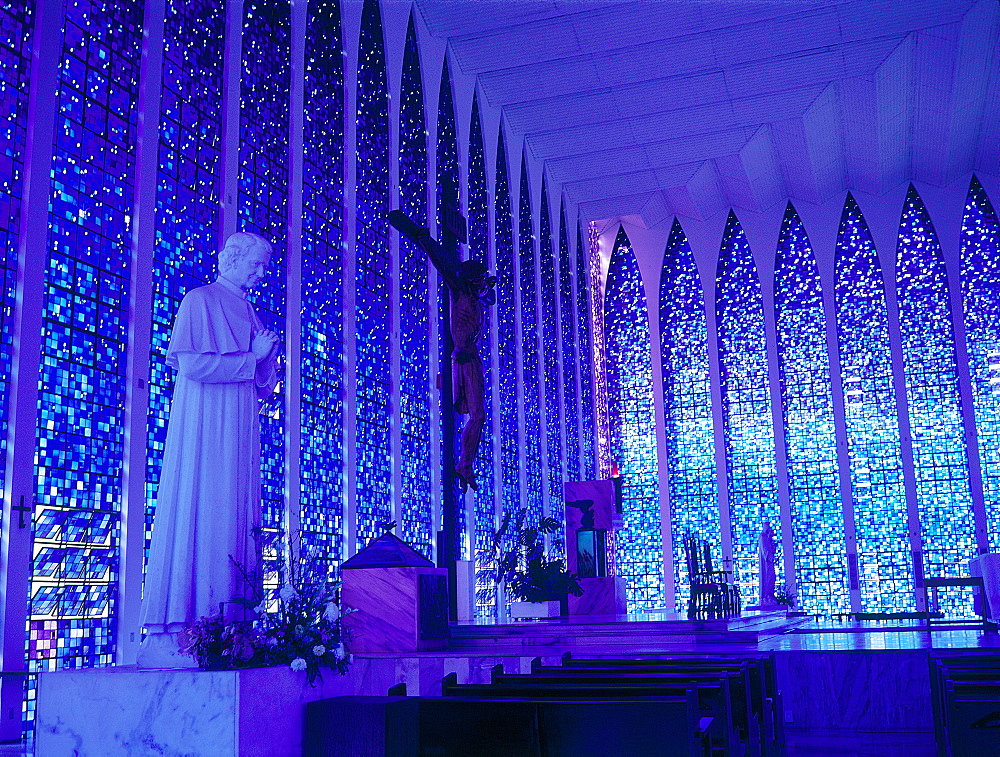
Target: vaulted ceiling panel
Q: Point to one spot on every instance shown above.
(648, 109)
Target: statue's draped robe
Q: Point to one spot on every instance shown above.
(208, 500)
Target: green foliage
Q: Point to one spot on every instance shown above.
(528, 572)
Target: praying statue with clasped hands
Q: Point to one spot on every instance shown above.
(208, 502)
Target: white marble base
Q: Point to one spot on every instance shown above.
(127, 710)
(523, 610)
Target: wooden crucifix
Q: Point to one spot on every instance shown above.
(471, 289)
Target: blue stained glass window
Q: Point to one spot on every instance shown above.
(187, 197)
(263, 209)
(746, 408)
(632, 427)
(321, 370)
(414, 384)
(807, 413)
(15, 63)
(939, 454)
(980, 250)
(479, 249)
(885, 567)
(567, 323)
(80, 426)
(448, 194)
(589, 464)
(372, 283)
(530, 382)
(507, 347)
(687, 405)
(552, 391)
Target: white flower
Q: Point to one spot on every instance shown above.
(287, 593)
(319, 650)
(298, 664)
(332, 612)
(340, 652)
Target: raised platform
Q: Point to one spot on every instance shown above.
(623, 634)
(845, 688)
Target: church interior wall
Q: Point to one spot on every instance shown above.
(114, 125)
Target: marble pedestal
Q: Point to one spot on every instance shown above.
(127, 710)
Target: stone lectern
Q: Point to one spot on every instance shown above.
(400, 597)
(592, 520)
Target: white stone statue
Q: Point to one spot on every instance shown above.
(209, 499)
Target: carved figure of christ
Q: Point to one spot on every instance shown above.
(471, 289)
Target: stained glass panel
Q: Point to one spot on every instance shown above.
(372, 284)
(885, 568)
(746, 409)
(980, 250)
(939, 455)
(530, 380)
(507, 347)
(414, 326)
(187, 197)
(321, 371)
(570, 356)
(80, 429)
(632, 428)
(687, 405)
(263, 209)
(479, 249)
(810, 438)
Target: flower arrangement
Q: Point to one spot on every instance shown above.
(529, 573)
(300, 625)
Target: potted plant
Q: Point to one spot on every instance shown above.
(539, 581)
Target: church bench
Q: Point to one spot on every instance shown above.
(497, 727)
(966, 701)
(757, 672)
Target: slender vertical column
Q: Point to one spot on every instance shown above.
(140, 335)
(293, 290)
(15, 547)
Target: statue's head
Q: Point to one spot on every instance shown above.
(244, 259)
(475, 276)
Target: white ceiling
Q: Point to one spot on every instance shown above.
(689, 107)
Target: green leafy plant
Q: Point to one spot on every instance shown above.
(517, 554)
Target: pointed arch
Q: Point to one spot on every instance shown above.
(589, 463)
(479, 249)
(416, 520)
(530, 362)
(373, 285)
(817, 515)
(321, 458)
(507, 347)
(746, 409)
(940, 458)
(878, 498)
(632, 427)
(448, 198)
(550, 346)
(265, 92)
(980, 256)
(687, 404)
(567, 321)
